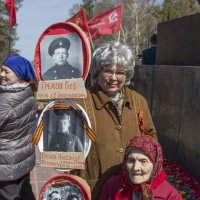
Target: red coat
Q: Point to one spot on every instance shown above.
(164, 191)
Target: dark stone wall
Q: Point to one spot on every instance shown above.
(179, 41)
(173, 95)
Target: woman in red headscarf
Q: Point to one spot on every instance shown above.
(143, 176)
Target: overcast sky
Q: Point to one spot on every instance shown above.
(34, 17)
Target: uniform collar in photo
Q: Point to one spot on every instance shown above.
(14, 87)
(21, 67)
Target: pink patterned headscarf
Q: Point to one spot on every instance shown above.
(153, 150)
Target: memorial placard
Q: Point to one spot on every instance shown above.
(63, 135)
(65, 186)
(61, 89)
(62, 60)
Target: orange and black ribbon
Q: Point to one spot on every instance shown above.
(36, 137)
(141, 125)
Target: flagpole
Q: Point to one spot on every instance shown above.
(9, 41)
(119, 33)
(123, 38)
(90, 38)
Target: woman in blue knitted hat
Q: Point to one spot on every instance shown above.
(17, 115)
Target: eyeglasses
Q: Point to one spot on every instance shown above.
(119, 74)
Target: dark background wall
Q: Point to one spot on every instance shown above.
(179, 41)
(173, 95)
(172, 89)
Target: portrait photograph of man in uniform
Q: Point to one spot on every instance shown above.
(61, 57)
(63, 192)
(64, 132)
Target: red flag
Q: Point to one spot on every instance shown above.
(80, 19)
(10, 6)
(106, 23)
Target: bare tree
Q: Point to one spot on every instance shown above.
(139, 22)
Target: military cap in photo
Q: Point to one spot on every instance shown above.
(58, 43)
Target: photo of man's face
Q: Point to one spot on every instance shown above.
(60, 56)
(56, 197)
(64, 131)
(64, 124)
(63, 192)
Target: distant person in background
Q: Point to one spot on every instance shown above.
(149, 55)
(17, 116)
(61, 69)
(64, 140)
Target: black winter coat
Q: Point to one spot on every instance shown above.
(17, 115)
